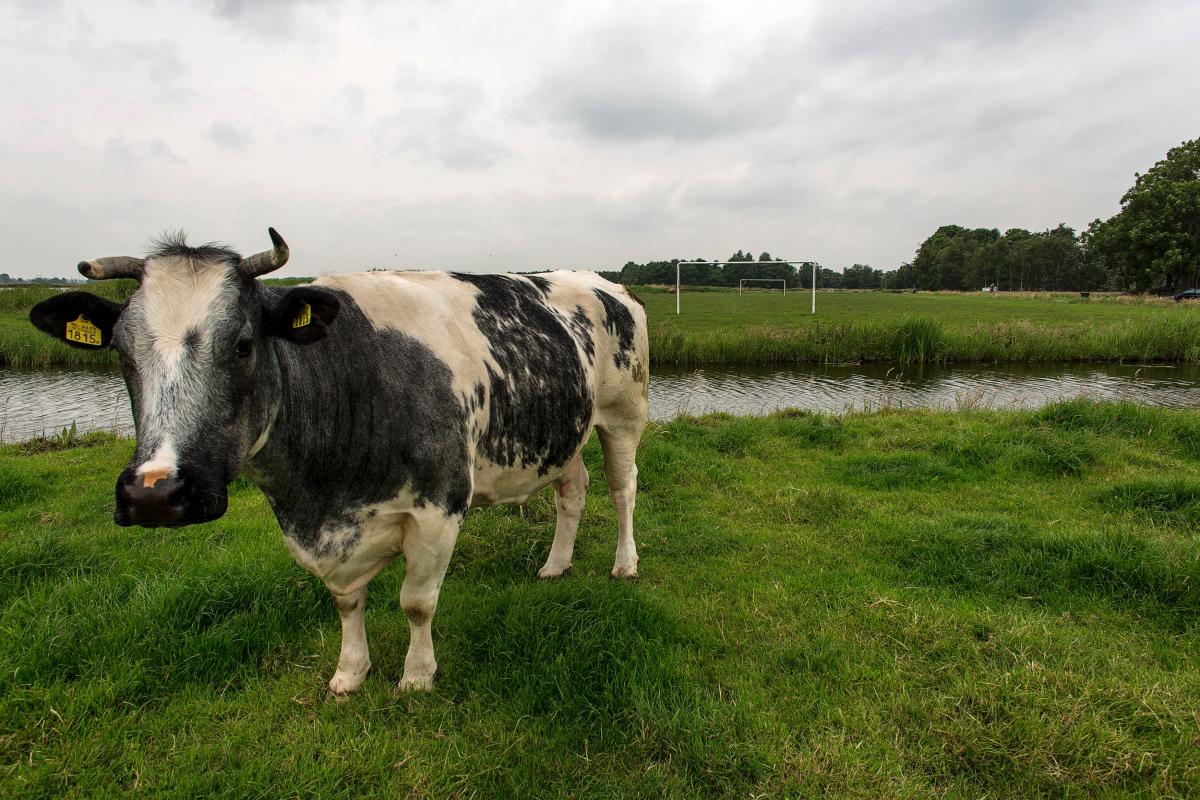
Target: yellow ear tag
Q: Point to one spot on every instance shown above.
(304, 317)
(84, 332)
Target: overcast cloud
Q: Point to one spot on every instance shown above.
(526, 135)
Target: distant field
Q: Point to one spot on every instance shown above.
(721, 327)
(704, 310)
(902, 604)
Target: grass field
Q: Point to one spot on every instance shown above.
(770, 328)
(721, 327)
(971, 604)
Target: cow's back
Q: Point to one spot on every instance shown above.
(536, 360)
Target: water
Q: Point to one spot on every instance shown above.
(837, 389)
(43, 402)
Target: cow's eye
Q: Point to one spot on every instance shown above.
(244, 347)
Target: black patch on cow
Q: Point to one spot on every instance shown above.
(541, 283)
(364, 414)
(581, 328)
(540, 404)
(618, 322)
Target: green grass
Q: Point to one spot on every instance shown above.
(722, 327)
(899, 604)
(771, 328)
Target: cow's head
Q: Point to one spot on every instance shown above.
(197, 342)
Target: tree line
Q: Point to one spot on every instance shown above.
(741, 265)
(7, 280)
(1151, 245)
(956, 258)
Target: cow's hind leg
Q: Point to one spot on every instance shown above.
(355, 660)
(620, 447)
(570, 493)
(428, 543)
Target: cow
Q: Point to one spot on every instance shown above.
(372, 409)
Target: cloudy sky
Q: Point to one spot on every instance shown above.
(526, 135)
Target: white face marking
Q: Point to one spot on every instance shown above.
(163, 464)
(179, 297)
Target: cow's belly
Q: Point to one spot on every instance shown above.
(347, 558)
(494, 484)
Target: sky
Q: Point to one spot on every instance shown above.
(578, 135)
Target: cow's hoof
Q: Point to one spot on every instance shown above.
(344, 682)
(554, 572)
(629, 571)
(416, 683)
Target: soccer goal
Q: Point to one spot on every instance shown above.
(742, 283)
(801, 264)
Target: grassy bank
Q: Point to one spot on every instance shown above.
(887, 605)
(721, 327)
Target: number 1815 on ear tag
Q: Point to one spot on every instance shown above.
(303, 316)
(82, 330)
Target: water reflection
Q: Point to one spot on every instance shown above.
(836, 389)
(41, 402)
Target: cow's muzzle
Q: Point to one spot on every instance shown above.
(169, 502)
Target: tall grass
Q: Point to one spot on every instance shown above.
(19, 299)
(921, 339)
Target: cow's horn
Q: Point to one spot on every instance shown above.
(101, 269)
(267, 260)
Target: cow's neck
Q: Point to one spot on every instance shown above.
(361, 413)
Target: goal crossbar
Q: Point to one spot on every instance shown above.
(678, 284)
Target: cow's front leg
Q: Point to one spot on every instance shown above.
(428, 543)
(355, 660)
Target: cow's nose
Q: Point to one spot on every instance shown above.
(153, 506)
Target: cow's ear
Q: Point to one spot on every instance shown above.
(303, 315)
(80, 319)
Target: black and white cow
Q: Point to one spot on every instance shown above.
(372, 409)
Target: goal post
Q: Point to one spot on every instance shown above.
(798, 264)
(743, 281)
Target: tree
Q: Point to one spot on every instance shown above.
(1013, 267)
(1153, 242)
(861, 276)
(900, 278)
(961, 259)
